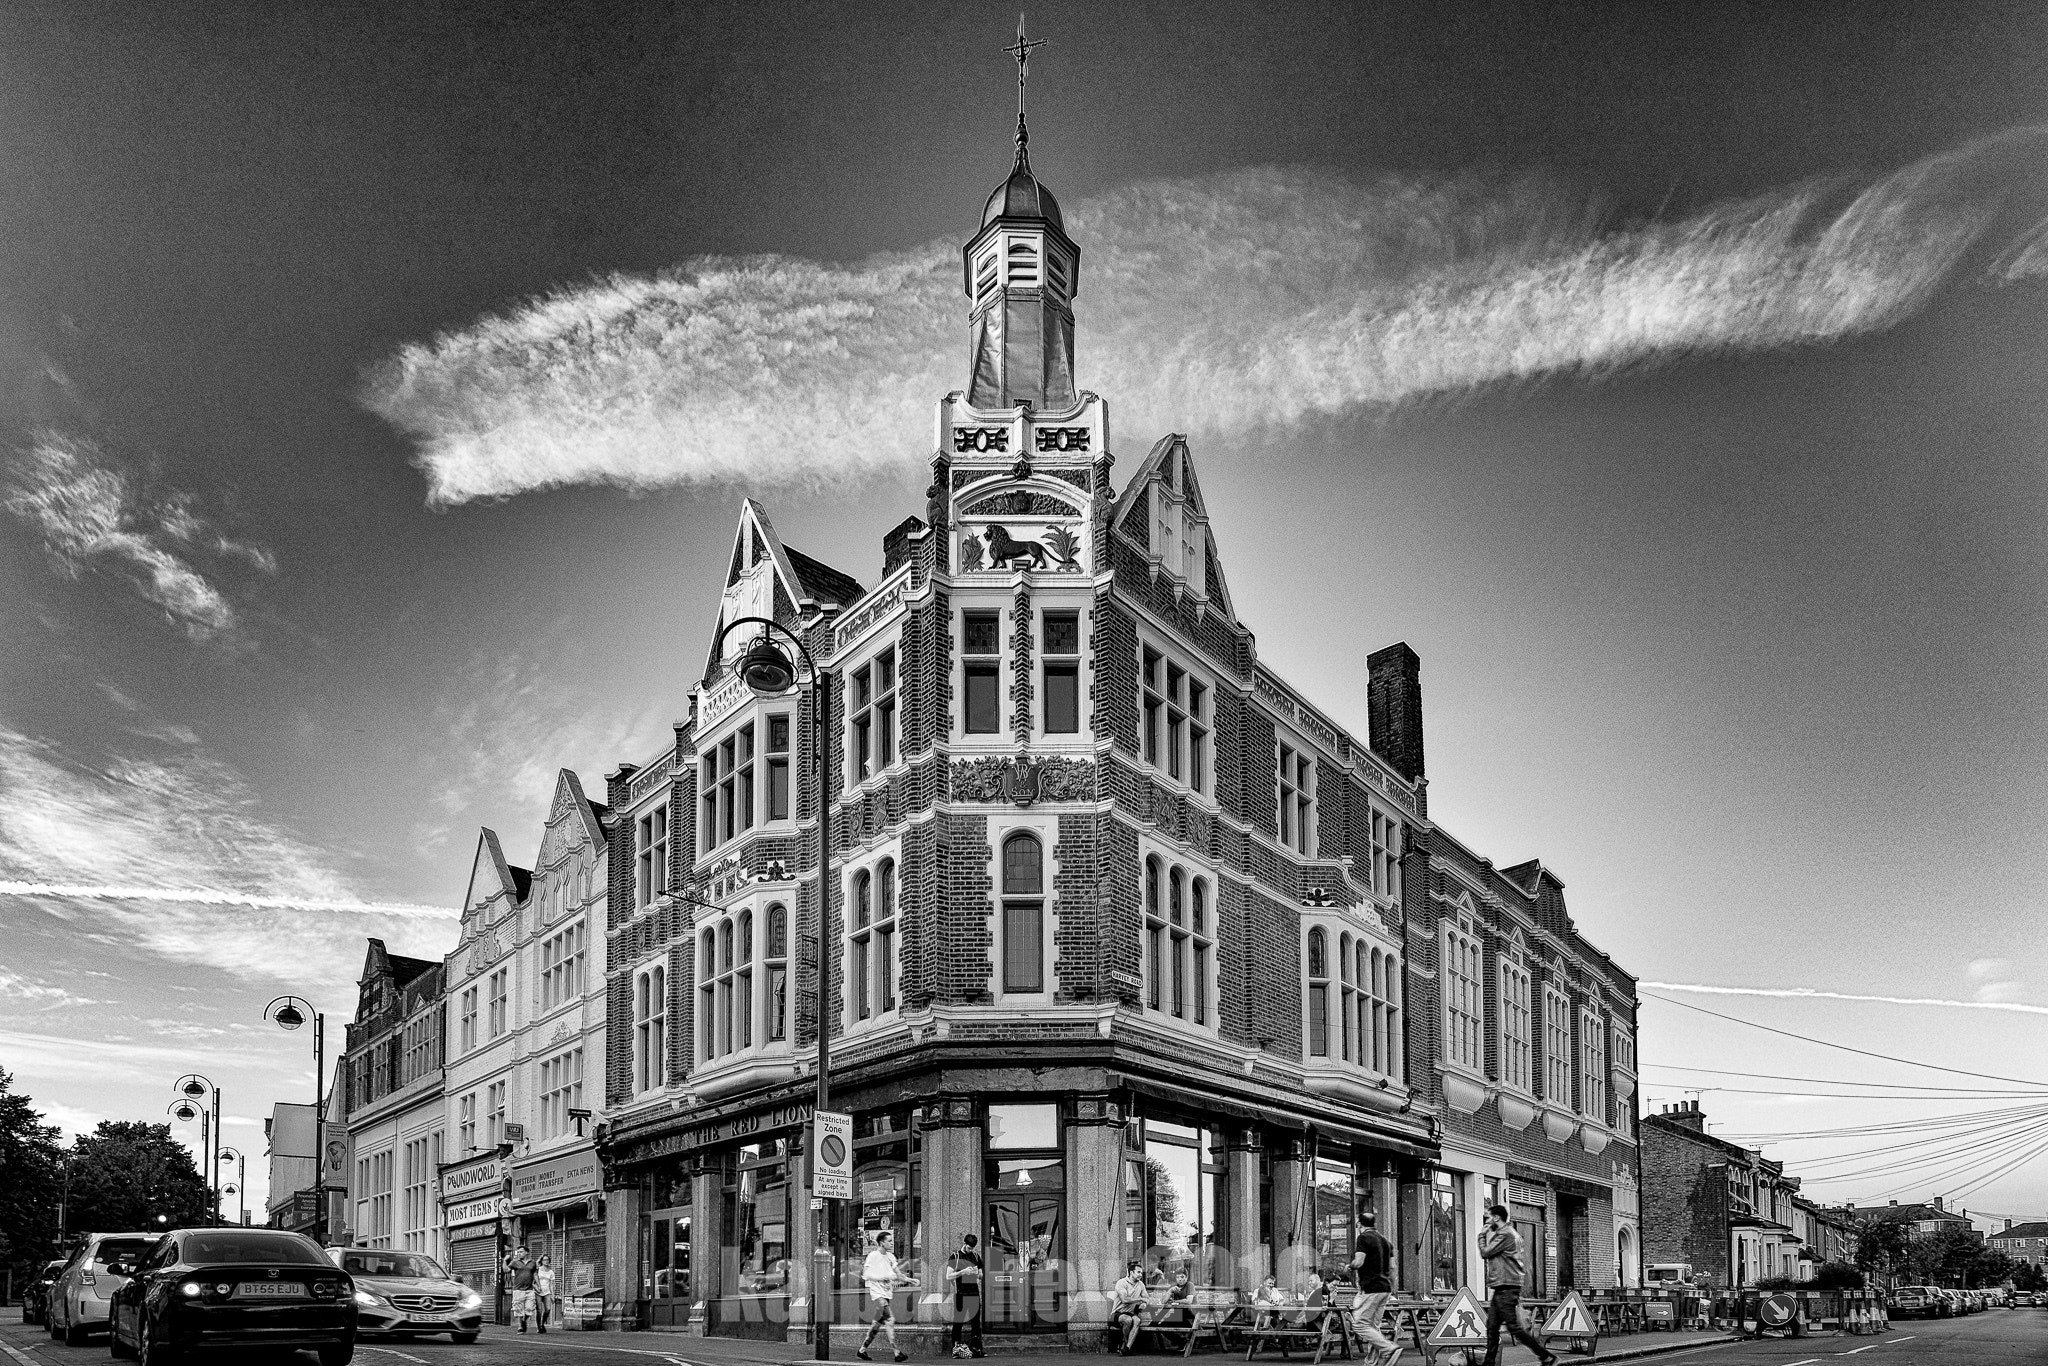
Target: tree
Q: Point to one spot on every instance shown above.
(31, 1166)
(132, 1176)
(1882, 1245)
(2029, 1276)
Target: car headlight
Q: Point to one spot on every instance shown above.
(190, 1290)
(364, 1297)
(470, 1299)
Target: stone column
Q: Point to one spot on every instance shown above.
(1251, 1257)
(707, 1239)
(1294, 1233)
(806, 1227)
(622, 1251)
(1095, 1197)
(952, 1196)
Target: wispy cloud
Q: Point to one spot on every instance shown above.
(509, 729)
(34, 993)
(93, 514)
(174, 857)
(1816, 993)
(1994, 979)
(2026, 258)
(1222, 304)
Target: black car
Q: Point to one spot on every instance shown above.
(233, 1287)
(35, 1296)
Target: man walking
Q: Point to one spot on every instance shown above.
(963, 1272)
(519, 1270)
(882, 1275)
(1372, 1271)
(1501, 1246)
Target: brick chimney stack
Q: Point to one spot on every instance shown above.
(1393, 704)
(1686, 1114)
(1937, 1204)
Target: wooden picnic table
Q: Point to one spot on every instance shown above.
(1300, 1326)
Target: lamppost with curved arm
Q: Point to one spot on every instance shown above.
(769, 672)
(234, 1187)
(194, 1087)
(290, 1012)
(185, 1111)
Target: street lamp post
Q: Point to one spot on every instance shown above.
(193, 1086)
(235, 1189)
(290, 1012)
(769, 672)
(185, 1111)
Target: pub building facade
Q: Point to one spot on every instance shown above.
(1125, 939)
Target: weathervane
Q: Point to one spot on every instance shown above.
(1020, 51)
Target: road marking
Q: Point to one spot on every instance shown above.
(1873, 1346)
(23, 1357)
(595, 1347)
(390, 1351)
(1808, 1362)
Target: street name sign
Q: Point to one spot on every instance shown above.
(832, 1156)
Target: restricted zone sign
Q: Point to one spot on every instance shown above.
(832, 1176)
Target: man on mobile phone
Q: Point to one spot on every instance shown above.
(1501, 1246)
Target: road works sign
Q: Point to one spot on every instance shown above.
(832, 1177)
(1463, 1324)
(1572, 1320)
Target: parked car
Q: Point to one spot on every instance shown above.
(77, 1303)
(210, 1288)
(407, 1293)
(35, 1296)
(1918, 1302)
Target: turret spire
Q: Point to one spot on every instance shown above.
(1021, 51)
(1021, 271)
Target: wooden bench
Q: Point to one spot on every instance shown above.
(1308, 1329)
(1215, 1313)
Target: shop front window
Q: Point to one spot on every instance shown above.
(1184, 1168)
(757, 1213)
(1336, 1217)
(1446, 1233)
(886, 1161)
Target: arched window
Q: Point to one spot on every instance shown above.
(707, 994)
(1023, 914)
(650, 1027)
(1176, 912)
(860, 973)
(776, 960)
(1347, 996)
(743, 985)
(743, 982)
(871, 967)
(1155, 938)
(1318, 994)
(1180, 952)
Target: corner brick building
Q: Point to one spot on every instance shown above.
(1132, 952)
(1725, 1210)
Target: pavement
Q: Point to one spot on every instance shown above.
(1994, 1338)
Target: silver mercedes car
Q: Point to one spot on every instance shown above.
(407, 1294)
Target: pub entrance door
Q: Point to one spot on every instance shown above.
(1027, 1258)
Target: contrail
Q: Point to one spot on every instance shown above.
(209, 896)
(1813, 992)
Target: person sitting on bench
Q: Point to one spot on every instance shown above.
(1127, 1308)
(1265, 1300)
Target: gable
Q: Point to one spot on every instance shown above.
(490, 877)
(1163, 514)
(767, 579)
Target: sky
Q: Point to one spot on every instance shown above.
(379, 384)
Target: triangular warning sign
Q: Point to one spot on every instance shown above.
(1572, 1320)
(1462, 1325)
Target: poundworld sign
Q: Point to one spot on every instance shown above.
(473, 1180)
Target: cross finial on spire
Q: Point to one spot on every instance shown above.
(1021, 52)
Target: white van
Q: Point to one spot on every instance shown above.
(1668, 1275)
